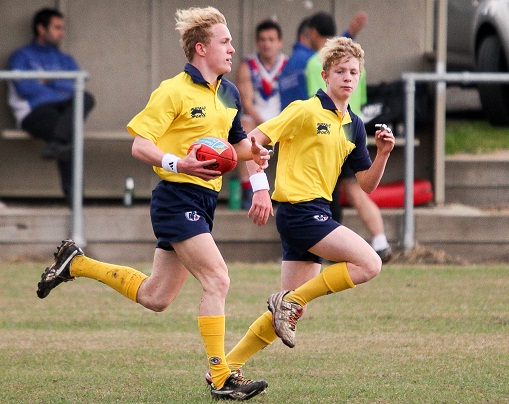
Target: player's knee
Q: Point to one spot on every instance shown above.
(159, 308)
(222, 285)
(371, 266)
(374, 266)
(156, 305)
(217, 285)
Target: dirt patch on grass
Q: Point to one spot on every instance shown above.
(426, 255)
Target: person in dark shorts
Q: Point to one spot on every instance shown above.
(315, 138)
(196, 103)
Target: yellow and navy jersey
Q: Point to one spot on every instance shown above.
(184, 109)
(314, 141)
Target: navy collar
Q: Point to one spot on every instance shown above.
(327, 102)
(196, 74)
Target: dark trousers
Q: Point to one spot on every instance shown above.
(53, 123)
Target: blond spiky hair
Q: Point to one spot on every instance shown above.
(337, 48)
(194, 25)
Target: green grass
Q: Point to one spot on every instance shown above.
(474, 137)
(412, 335)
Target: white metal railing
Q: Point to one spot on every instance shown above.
(79, 77)
(408, 232)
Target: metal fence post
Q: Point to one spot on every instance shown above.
(408, 218)
(408, 231)
(77, 226)
(79, 77)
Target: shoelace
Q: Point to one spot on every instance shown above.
(293, 317)
(239, 378)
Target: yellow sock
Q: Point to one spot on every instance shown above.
(124, 280)
(212, 331)
(260, 334)
(332, 279)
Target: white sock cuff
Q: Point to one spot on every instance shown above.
(379, 242)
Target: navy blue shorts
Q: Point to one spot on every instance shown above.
(180, 211)
(301, 226)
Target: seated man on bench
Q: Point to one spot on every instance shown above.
(44, 108)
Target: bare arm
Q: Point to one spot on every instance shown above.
(261, 206)
(245, 86)
(252, 149)
(146, 151)
(370, 178)
(358, 22)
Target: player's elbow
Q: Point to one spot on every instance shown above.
(368, 189)
(136, 148)
(366, 185)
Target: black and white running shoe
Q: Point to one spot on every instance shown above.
(59, 271)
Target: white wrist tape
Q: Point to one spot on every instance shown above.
(259, 181)
(169, 162)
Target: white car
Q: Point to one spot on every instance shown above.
(478, 40)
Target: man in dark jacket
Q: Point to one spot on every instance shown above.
(44, 108)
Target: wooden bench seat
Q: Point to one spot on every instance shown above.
(107, 162)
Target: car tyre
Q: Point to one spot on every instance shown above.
(494, 97)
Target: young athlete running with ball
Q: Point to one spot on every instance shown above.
(315, 138)
(183, 203)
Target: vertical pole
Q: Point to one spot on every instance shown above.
(408, 241)
(440, 104)
(77, 228)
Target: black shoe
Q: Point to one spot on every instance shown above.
(237, 387)
(57, 151)
(385, 254)
(59, 271)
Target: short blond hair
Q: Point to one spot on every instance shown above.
(337, 48)
(194, 25)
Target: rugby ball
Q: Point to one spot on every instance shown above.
(215, 148)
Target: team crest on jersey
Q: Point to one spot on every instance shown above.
(192, 216)
(320, 218)
(323, 128)
(198, 112)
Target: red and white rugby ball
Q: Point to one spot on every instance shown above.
(219, 149)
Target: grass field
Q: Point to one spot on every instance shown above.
(474, 137)
(412, 335)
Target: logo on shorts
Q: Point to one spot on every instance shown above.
(198, 112)
(192, 216)
(323, 128)
(320, 218)
(214, 360)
